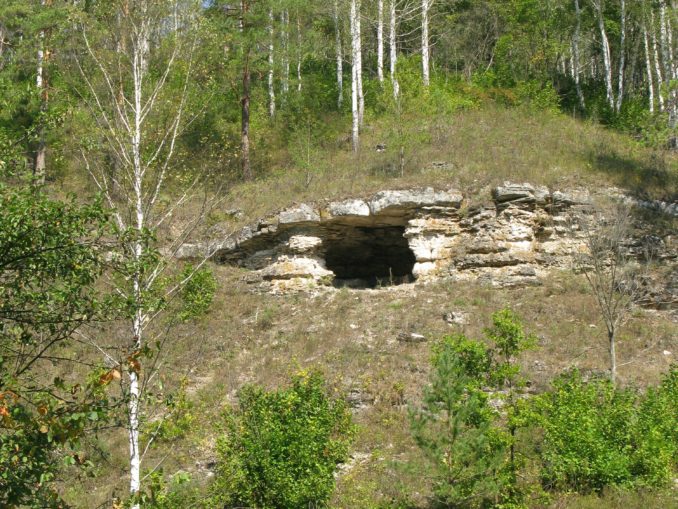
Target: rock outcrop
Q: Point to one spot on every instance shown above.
(402, 236)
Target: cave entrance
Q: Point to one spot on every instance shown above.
(368, 257)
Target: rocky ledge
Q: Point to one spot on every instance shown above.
(410, 235)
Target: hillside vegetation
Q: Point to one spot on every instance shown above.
(132, 378)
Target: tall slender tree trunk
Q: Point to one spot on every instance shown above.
(139, 71)
(425, 43)
(339, 56)
(657, 63)
(245, 100)
(285, 35)
(607, 58)
(380, 41)
(666, 41)
(299, 54)
(271, 62)
(40, 162)
(613, 356)
(575, 56)
(622, 57)
(393, 49)
(359, 63)
(355, 73)
(648, 67)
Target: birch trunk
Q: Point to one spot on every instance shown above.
(245, 100)
(575, 56)
(299, 54)
(271, 62)
(359, 65)
(657, 64)
(666, 42)
(355, 73)
(607, 59)
(648, 68)
(622, 57)
(425, 46)
(39, 166)
(380, 41)
(393, 50)
(340, 57)
(285, 22)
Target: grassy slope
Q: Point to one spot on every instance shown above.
(351, 335)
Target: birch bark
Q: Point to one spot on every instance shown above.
(393, 50)
(575, 56)
(271, 62)
(648, 68)
(355, 73)
(339, 56)
(380, 41)
(605, 46)
(425, 44)
(622, 57)
(40, 163)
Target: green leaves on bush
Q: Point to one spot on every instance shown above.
(198, 292)
(281, 448)
(596, 436)
(470, 444)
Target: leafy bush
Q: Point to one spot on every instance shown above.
(281, 449)
(198, 292)
(470, 444)
(597, 436)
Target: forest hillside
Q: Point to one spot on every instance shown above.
(377, 254)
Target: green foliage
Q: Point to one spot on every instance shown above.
(471, 446)
(281, 449)
(162, 494)
(197, 293)
(455, 426)
(596, 436)
(48, 263)
(177, 421)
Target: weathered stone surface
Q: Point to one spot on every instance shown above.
(398, 236)
(400, 202)
(514, 192)
(304, 244)
(286, 267)
(349, 208)
(300, 214)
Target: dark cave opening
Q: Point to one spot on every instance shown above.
(368, 257)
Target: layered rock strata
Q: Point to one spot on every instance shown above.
(402, 236)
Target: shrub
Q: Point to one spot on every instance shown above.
(596, 436)
(470, 444)
(198, 292)
(281, 449)
(455, 425)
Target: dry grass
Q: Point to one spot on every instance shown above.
(479, 148)
(351, 336)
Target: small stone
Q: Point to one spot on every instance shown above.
(411, 337)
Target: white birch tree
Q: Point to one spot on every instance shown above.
(271, 66)
(425, 42)
(140, 116)
(605, 48)
(622, 57)
(356, 71)
(339, 55)
(576, 75)
(393, 49)
(380, 41)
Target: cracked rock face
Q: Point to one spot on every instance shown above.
(401, 236)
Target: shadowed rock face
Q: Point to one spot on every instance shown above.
(416, 234)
